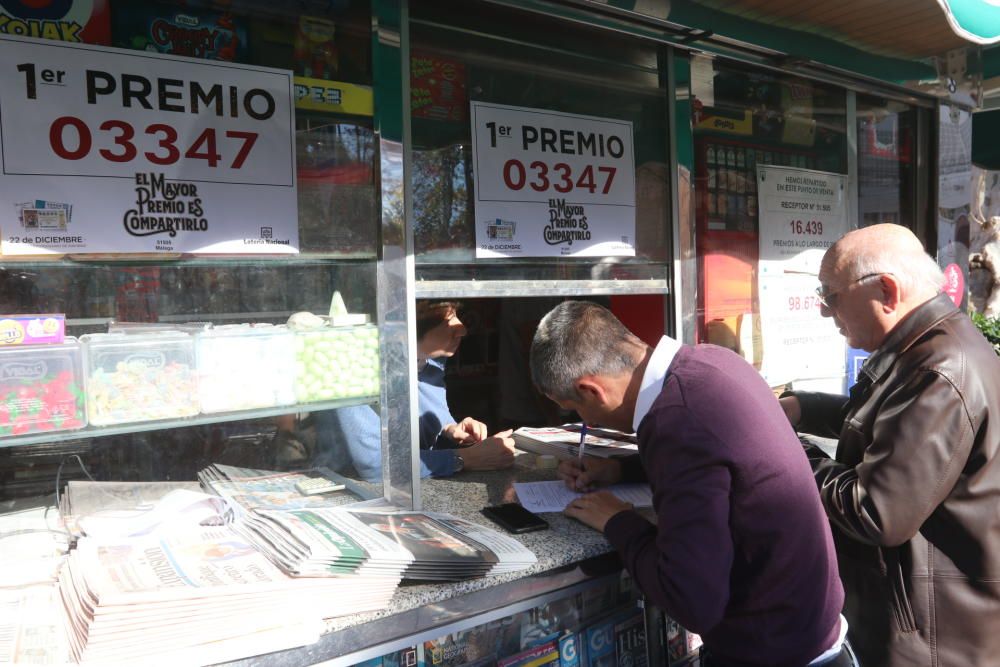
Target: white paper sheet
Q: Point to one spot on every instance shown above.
(555, 495)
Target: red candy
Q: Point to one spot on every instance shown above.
(47, 403)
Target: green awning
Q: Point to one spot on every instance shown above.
(986, 139)
(975, 20)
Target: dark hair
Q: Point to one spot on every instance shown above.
(578, 338)
(432, 313)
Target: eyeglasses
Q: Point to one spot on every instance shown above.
(829, 299)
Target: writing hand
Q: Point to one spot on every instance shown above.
(590, 474)
(596, 509)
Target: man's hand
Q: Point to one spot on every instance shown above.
(792, 408)
(595, 472)
(467, 432)
(492, 453)
(596, 509)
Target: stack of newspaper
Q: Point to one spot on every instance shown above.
(563, 442)
(333, 534)
(196, 597)
(249, 489)
(419, 545)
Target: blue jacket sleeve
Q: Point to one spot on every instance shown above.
(438, 462)
(352, 434)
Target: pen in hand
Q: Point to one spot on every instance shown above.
(583, 440)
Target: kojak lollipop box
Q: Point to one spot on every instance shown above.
(32, 329)
(41, 388)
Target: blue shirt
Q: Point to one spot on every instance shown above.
(351, 435)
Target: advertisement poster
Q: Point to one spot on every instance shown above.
(802, 213)
(552, 184)
(110, 151)
(64, 20)
(437, 87)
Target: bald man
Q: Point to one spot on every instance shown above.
(913, 495)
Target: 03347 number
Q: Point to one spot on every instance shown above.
(72, 139)
(558, 177)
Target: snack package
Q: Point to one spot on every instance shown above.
(315, 50)
(66, 21)
(197, 33)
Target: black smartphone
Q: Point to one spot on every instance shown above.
(515, 518)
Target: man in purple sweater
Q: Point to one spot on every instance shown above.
(741, 552)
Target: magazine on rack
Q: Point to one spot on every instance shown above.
(197, 597)
(563, 442)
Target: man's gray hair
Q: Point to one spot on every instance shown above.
(916, 271)
(576, 339)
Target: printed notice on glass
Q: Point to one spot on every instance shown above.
(551, 184)
(802, 213)
(115, 151)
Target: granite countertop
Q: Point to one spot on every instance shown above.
(567, 541)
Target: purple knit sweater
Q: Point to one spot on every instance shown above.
(742, 552)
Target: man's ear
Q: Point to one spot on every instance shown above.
(891, 292)
(591, 389)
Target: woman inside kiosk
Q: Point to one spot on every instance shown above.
(348, 439)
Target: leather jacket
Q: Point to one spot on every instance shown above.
(913, 495)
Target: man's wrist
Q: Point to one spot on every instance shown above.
(459, 464)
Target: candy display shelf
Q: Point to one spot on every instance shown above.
(197, 420)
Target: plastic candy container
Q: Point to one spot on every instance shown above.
(242, 367)
(41, 388)
(139, 377)
(336, 362)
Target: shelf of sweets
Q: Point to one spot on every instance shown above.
(139, 379)
(196, 420)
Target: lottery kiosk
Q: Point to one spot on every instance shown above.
(217, 219)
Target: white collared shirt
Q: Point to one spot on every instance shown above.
(652, 379)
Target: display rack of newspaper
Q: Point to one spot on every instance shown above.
(185, 593)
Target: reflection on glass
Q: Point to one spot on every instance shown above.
(442, 214)
(744, 118)
(886, 161)
(336, 188)
(455, 62)
(338, 227)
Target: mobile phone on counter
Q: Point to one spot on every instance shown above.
(515, 518)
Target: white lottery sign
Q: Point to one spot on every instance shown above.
(802, 213)
(108, 150)
(552, 184)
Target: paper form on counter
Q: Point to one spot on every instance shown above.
(555, 495)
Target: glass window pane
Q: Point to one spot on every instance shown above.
(535, 62)
(328, 47)
(744, 118)
(887, 161)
